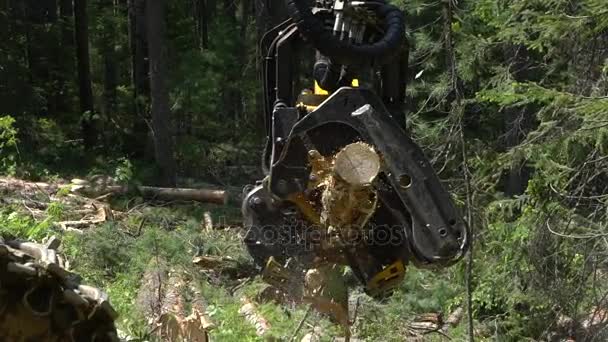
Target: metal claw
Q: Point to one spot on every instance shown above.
(101, 298)
(48, 305)
(21, 269)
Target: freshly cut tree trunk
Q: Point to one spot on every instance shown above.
(159, 94)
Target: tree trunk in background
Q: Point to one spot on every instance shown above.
(41, 11)
(229, 9)
(138, 42)
(269, 13)
(44, 66)
(517, 121)
(29, 50)
(4, 22)
(65, 55)
(238, 96)
(277, 11)
(159, 94)
(110, 67)
(230, 91)
(89, 131)
(202, 23)
(66, 13)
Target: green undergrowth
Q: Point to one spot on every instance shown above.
(115, 256)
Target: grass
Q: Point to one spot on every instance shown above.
(114, 256)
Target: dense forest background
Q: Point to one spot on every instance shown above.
(508, 98)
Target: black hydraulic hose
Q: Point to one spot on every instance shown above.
(326, 73)
(343, 52)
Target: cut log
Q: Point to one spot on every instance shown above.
(182, 194)
(315, 335)
(210, 262)
(252, 315)
(357, 164)
(149, 299)
(207, 221)
(102, 186)
(173, 325)
(199, 309)
(167, 194)
(455, 317)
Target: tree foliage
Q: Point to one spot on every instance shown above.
(509, 99)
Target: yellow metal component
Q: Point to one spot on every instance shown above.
(308, 108)
(321, 91)
(274, 273)
(387, 279)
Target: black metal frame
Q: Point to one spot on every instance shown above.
(413, 204)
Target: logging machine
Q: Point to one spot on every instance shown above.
(344, 185)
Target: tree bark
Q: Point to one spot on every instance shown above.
(159, 94)
(66, 13)
(65, 56)
(229, 9)
(151, 192)
(88, 128)
(110, 67)
(138, 42)
(4, 22)
(202, 23)
(41, 11)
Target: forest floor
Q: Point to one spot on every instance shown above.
(179, 270)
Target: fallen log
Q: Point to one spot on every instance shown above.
(100, 186)
(21, 186)
(182, 194)
(252, 315)
(199, 310)
(210, 262)
(89, 189)
(315, 335)
(173, 325)
(149, 300)
(101, 215)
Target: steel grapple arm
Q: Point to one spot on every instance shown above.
(345, 184)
